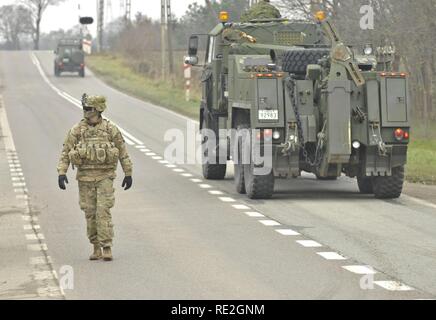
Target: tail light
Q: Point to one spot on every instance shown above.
(61, 64)
(401, 135)
(265, 134)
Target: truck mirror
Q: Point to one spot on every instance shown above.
(193, 46)
(86, 20)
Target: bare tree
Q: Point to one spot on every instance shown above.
(15, 21)
(38, 7)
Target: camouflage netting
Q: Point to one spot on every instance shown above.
(261, 10)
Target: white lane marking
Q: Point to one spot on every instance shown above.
(33, 236)
(196, 180)
(393, 286)
(171, 166)
(43, 275)
(21, 190)
(16, 170)
(255, 214)
(22, 196)
(29, 218)
(187, 175)
(40, 260)
(420, 201)
(140, 147)
(309, 243)
(16, 179)
(288, 232)
(28, 227)
(164, 162)
(145, 150)
(150, 154)
(269, 223)
(37, 247)
(14, 165)
(130, 139)
(157, 158)
(331, 256)
(216, 192)
(19, 184)
(17, 174)
(240, 207)
(205, 186)
(179, 170)
(227, 199)
(360, 269)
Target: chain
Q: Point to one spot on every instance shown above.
(290, 83)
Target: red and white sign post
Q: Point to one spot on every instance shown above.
(187, 71)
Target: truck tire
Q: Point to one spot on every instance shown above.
(390, 187)
(296, 61)
(258, 187)
(212, 171)
(365, 185)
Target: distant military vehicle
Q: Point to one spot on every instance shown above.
(69, 57)
(326, 110)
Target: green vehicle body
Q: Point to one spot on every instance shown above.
(340, 114)
(69, 57)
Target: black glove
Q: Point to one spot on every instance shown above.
(127, 183)
(62, 181)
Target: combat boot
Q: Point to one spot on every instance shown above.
(107, 254)
(96, 255)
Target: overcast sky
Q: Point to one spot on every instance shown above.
(66, 14)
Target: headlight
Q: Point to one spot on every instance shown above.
(368, 50)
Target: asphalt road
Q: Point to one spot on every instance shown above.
(183, 239)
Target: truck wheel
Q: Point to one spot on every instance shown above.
(296, 61)
(365, 185)
(258, 187)
(212, 171)
(390, 187)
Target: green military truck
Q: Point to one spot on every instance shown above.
(69, 57)
(325, 108)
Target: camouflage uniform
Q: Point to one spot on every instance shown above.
(95, 150)
(261, 10)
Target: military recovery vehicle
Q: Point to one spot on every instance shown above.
(70, 57)
(327, 109)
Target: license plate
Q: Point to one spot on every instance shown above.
(66, 60)
(268, 114)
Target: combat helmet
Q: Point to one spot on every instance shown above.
(97, 102)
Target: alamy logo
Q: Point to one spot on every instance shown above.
(367, 19)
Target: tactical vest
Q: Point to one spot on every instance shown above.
(95, 149)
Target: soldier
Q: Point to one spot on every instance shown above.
(95, 146)
(261, 10)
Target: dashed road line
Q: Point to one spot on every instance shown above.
(309, 243)
(331, 256)
(287, 232)
(360, 269)
(393, 286)
(269, 223)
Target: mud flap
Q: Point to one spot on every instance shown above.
(339, 122)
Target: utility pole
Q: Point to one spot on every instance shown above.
(169, 38)
(128, 15)
(163, 30)
(100, 24)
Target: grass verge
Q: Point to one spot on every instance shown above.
(114, 71)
